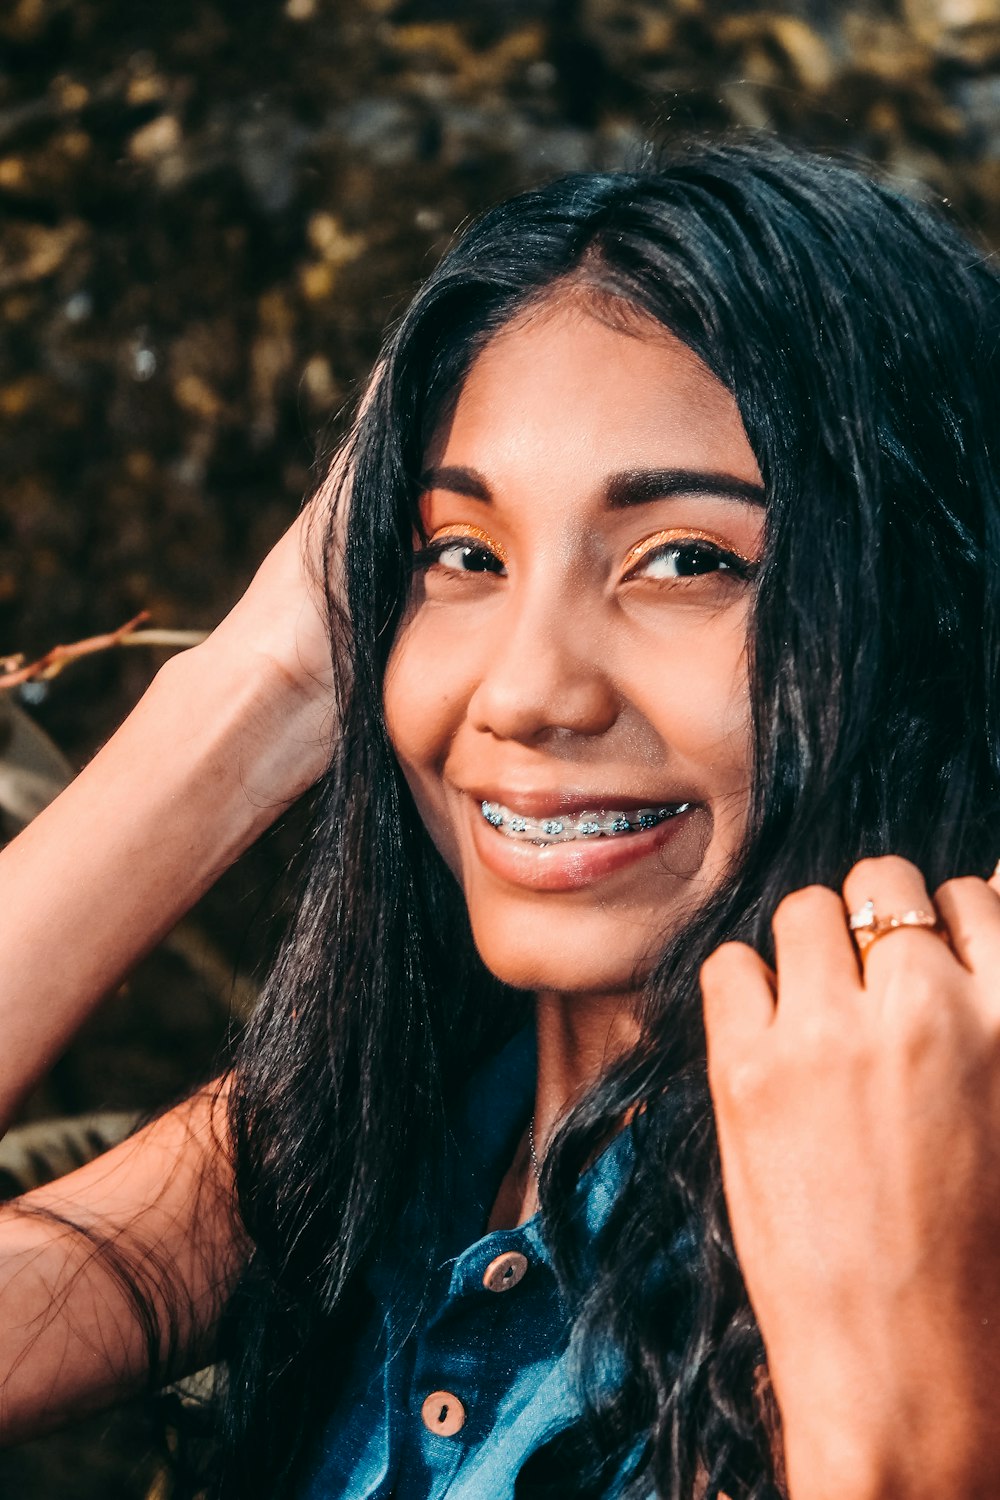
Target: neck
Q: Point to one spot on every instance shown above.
(579, 1037)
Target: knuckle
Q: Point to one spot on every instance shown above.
(741, 1084)
(806, 904)
(724, 962)
(882, 868)
(923, 1035)
(917, 991)
(959, 888)
(921, 1010)
(818, 1035)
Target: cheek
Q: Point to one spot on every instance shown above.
(411, 698)
(716, 727)
(697, 693)
(424, 702)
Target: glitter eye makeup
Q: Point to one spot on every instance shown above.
(678, 535)
(466, 532)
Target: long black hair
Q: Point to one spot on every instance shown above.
(858, 333)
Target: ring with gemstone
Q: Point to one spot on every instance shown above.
(867, 927)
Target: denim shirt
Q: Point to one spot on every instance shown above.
(454, 1404)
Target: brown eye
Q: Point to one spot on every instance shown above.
(689, 559)
(464, 557)
(460, 555)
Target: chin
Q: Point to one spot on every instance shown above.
(547, 955)
(603, 935)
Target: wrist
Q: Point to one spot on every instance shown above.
(215, 750)
(262, 732)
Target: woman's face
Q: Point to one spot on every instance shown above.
(567, 694)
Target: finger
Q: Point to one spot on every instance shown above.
(737, 989)
(814, 952)
(970, 910)
(894, 886)
(994, 880)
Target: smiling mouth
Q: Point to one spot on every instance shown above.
(563, 828)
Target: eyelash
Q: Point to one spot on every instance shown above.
(427, 557)
(690, 544)
(742, 568)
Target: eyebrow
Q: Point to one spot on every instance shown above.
(460, 481)
(641, 486)
(632, 487)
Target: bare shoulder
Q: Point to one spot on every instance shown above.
(148, 1228)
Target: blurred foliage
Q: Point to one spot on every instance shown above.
(209, 211)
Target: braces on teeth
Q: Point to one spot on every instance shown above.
(560, 830)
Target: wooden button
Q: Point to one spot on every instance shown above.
(504, 1272)
(443, 1413)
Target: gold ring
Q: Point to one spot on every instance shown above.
(867, 927)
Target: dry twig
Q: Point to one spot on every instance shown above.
(14, 672)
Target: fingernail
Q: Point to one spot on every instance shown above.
(996, 870)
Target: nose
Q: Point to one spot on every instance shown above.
(543, 674)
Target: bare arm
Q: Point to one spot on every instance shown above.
(159, 1208)
(226, 737)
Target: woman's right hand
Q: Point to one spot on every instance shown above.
(278, 634)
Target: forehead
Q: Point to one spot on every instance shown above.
(561, 389)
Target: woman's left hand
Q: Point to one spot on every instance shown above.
(858, 1114)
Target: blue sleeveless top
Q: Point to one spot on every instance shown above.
(453, 1398)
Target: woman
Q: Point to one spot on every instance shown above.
(670, 573)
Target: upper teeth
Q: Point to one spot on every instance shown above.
(562, 827)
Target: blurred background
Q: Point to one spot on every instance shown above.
(209, 212)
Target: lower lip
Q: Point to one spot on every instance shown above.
(572, 865)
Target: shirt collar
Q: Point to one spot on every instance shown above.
(493, 1113)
